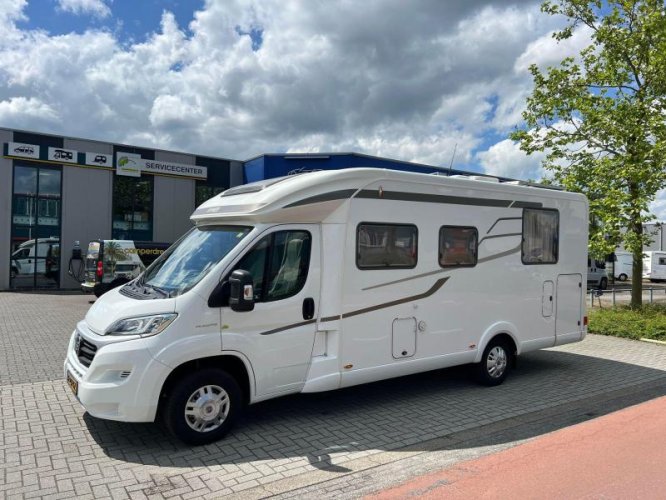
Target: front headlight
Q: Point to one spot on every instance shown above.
(141, 325)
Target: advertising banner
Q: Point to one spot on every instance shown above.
(99, 159)
(132, 165)
(63, 155)
(23, 150)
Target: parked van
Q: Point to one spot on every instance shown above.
(111, 263)
(331, 279)
(654, 266)
(622, 265)
(597, 277)
(41, 256)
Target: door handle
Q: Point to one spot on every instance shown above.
(308, 308)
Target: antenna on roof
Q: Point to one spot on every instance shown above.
(452, 157)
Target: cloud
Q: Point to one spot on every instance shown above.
(505, 159)
(96, 8)
(405, 80)
(658, 206)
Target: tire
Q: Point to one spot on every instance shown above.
(203, 406)
(495, 363)
(13, 273)
(623, 277)
(603, 284)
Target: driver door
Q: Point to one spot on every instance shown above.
(278, 335)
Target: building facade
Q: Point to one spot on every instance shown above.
(55, 191)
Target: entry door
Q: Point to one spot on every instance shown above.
(278, 335)
(569, 304)
(36, 212)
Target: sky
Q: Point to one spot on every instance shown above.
(416, 81)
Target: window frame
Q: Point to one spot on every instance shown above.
(439, 247)
(383, 268)
(522, 238)
(267, 263)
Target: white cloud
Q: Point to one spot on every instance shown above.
(546, 51)
(505, 159)
(97, 8)
(658, 206)
(393, 79)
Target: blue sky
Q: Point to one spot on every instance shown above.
(236, 78)
(130, 20)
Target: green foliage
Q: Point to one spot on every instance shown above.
(601, 117)
(649, 321)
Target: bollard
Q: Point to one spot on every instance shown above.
(651, 294)
(613, 297)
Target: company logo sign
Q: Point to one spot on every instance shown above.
(63, 155)
(22, 150)
(128, 164)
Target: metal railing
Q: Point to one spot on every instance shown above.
(653, 295)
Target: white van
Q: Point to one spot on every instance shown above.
(40, 255)
(622, 265)
(597, 277)
(330, 279)
(654, 266)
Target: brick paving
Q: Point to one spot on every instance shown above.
(50, 448)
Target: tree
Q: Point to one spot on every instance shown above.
(600, 117)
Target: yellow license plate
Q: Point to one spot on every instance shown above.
(73, 384)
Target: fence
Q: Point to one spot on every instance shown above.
(622, 296)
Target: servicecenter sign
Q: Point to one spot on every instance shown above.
(133, 165)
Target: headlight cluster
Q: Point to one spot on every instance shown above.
(144, 326)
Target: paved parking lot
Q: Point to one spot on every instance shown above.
(305, 445)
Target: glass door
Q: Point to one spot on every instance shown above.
(36, 221)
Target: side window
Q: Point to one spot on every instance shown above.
(381, 246)
(540, 236)
(458, 246)
(662, 261)
(278, 264)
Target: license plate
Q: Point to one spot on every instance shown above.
(73, 384)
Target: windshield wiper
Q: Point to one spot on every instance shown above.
(164, 292)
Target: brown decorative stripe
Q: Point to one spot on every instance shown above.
(499, 236)
(373, 194)
(330, 318)
(526, 204)
(289, 327)
(500, 219)
(414, 277)
(438, 284)
(499, 255)
(343, 194)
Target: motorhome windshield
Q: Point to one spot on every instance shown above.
(190, 259)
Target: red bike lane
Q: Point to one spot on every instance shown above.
(620, 455)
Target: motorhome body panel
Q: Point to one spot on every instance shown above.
(654, 265)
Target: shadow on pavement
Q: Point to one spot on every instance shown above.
(407, 412)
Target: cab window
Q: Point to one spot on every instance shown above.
(278, 264)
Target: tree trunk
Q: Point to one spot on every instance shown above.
(637, 267)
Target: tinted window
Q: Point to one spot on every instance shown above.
(380, 246)
(540, 236)
(457, 246)
(278, 264)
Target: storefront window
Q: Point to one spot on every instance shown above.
(205, 192)
(132, 208)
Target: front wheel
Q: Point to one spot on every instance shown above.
(603, 284)
(495, 363)
(623, 277)
(202, 407)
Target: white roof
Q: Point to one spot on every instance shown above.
(310, 197)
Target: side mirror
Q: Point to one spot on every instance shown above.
(241, 291)
(219, 297)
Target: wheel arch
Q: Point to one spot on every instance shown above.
(232, 363)
(504, 330)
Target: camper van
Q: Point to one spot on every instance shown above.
(654, 266)
(111, 263)
(330, 279)
(597, 277)
(41, 256)
(622, 265)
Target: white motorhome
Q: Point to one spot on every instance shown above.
(330, 279)
(654, 266)
(622, 265)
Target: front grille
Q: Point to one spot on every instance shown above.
(85, 350)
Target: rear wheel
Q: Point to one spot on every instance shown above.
(203, 406)
(495, 363)
(623, 277)
(603, 284)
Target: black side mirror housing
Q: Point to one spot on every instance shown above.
(219, 297)
(241, 291)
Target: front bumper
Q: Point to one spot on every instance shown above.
(123, 381)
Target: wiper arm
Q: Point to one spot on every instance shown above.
(164, 292)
